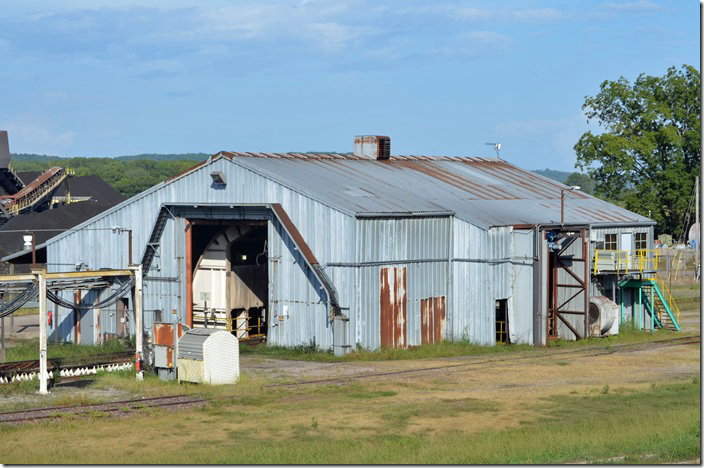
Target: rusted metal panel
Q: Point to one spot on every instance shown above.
(426, 320)
(163, 334)
(438, 318)
(393, 305)
(432, 319)
(386, 308)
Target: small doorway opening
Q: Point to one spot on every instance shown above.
(502, 321)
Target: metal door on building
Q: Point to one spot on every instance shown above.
(392, 305)
(626, 241)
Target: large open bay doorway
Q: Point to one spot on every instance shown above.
(230, 277)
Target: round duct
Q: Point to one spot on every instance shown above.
(602, 315)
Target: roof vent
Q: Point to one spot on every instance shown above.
(372, 147)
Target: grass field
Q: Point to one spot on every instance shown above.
(549, 407)
(375, 424)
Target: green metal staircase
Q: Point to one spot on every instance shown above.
(657, 301)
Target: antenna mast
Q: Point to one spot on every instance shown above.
(497, 147)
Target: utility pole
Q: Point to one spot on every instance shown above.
(699, 239)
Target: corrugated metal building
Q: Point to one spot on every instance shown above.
(358, 248)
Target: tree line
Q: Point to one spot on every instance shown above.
(127, 176)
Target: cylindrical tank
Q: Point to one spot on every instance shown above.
(694, 236)
(602, 315)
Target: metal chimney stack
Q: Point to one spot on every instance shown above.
(4, 150)
(372, 147)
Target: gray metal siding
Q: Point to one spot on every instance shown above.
(418, 244)
(328, 232)
(520, 308)
(481, 274)
(598, 234)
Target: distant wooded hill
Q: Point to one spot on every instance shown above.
(133, 174)
(560, 176)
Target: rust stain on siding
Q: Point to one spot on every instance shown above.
(163, 334)
(392, 306)
(432, 319)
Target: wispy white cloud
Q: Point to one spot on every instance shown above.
(530, 15)
(487, 40)
(562, 133)
(33, 133)
(640, 6)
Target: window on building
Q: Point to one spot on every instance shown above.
(641, 240)
(610, 242)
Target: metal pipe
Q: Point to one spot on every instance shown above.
(189, 275)
(34, 250)
(129, 246)
(428, 260)
(138, 321)
(2, 340)
(562, 206)
(449, 287)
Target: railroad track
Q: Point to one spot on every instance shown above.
(582, 352)
(53, 412)
(68, 368)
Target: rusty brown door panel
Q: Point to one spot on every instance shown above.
(393, 304)
(438, 318)
(426, 320)
(432, 319)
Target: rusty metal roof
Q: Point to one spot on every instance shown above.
(482, 191)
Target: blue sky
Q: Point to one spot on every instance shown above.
(109, 78)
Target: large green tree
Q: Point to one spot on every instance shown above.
(646, 154)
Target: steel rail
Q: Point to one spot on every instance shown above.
(106, 407)
(626, 347)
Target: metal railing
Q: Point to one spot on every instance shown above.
(38, 194)
(626, 261)
(501, 335)
(674, 308)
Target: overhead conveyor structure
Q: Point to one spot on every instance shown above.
(47, 286)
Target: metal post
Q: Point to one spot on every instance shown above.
(652, 309)
(138, 320)
(12, 316)
(562, 207)
(43, 373)
(640, 308)
(2, 341)
(699, 239)
(129, 247)
(34, 251)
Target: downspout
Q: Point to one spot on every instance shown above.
(450, 298)
(297, 238)
(537, 287)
